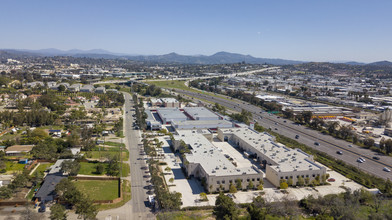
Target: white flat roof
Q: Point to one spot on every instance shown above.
(210, 157)
(287, 159)
(200, 112)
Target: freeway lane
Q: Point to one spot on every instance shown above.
(328, 144)
(139, 193)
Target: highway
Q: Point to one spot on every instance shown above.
(138, 203)
(307, 136)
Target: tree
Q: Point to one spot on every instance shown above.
(368, 142)
(232, 188)
(307, 116)
(57, 212)
(300, 181)
(100, 169)
(238, 184)
(256, 209)
(113, 167)
(86, 209)
(283, 185)
(290, 181)
(70, 167)
(203, 196)
(5, 192)
(225, 208)
(61, 88)
(250, 185)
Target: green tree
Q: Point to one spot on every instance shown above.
(100, 169)
(70, 167)
(256, 209)
(225, 207)
(232, 188)
(250, 185)
(57, 212)
(238, 184)
(86, 209)
(290, 181)
(300, 181)
(5, 192)
(203, 196)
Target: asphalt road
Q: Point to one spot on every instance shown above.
(328, 144)
(139, 208)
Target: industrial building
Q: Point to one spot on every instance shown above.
(198, 124)
(280, 162)
(201, 113)
(208, 163)
(168, 115)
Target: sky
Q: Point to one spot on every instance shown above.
(306, 30)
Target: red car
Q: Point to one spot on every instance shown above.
(331, 180)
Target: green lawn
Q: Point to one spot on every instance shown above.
(180, 84)
(106, 152)
(99, 189)
(125, 169)
(126, 190)
(114, 144)
(14, 166)
(42, 167)
(89, 168)
(172, 84)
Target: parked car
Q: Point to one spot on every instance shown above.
(331, 180)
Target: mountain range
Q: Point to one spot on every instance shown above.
(217, 58)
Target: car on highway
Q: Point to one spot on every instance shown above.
(284, 121)
(317, 143)
(386, 169)
(350, 145)
(376, 158)
(296, 136)
(360, 160)
(276, 128)
(339, 152)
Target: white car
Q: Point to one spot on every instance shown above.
(359, 160)
(386, 169)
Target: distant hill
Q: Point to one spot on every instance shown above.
(381, 63)
(218, 58)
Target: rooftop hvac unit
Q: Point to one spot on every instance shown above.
(244, 173)
(225, 168)
(213, 171)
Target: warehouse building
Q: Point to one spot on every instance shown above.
(281, 163)
(207, 162)
(201, 113)
(199, 124)
(168, 115)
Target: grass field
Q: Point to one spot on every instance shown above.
(180, 84)
(42, 167)
(99, 189)
(89, 168)
(105, 154)
(172, 84)
(13, 166)
(125, 169)
(126, 190)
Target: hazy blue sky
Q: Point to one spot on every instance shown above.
(310, 30)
